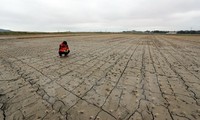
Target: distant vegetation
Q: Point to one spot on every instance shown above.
(178, 32)
(189, 32)
(9, 32)
(30, 33)
(165, 32)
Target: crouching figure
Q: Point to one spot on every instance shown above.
(64, 49)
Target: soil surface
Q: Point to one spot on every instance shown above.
(105, 77)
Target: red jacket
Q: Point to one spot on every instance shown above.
(63, 48)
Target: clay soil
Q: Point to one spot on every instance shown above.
(105, 77)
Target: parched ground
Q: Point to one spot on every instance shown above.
(105, 77)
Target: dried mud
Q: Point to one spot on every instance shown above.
(105, 77)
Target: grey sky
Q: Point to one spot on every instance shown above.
(99, 15)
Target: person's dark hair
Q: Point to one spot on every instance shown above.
(64, 42)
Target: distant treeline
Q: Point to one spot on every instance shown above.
(165, 32)
(30, 33)
(188, 32)
(136, 32)
(177, 32)
(161, 32)
(43, 33)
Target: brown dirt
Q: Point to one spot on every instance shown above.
(105, 77)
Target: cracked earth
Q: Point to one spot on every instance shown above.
(105, 77)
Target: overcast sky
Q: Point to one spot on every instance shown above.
(99, 15)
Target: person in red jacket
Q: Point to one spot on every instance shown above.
(64, 49)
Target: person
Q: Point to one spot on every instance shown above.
(63, 49)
